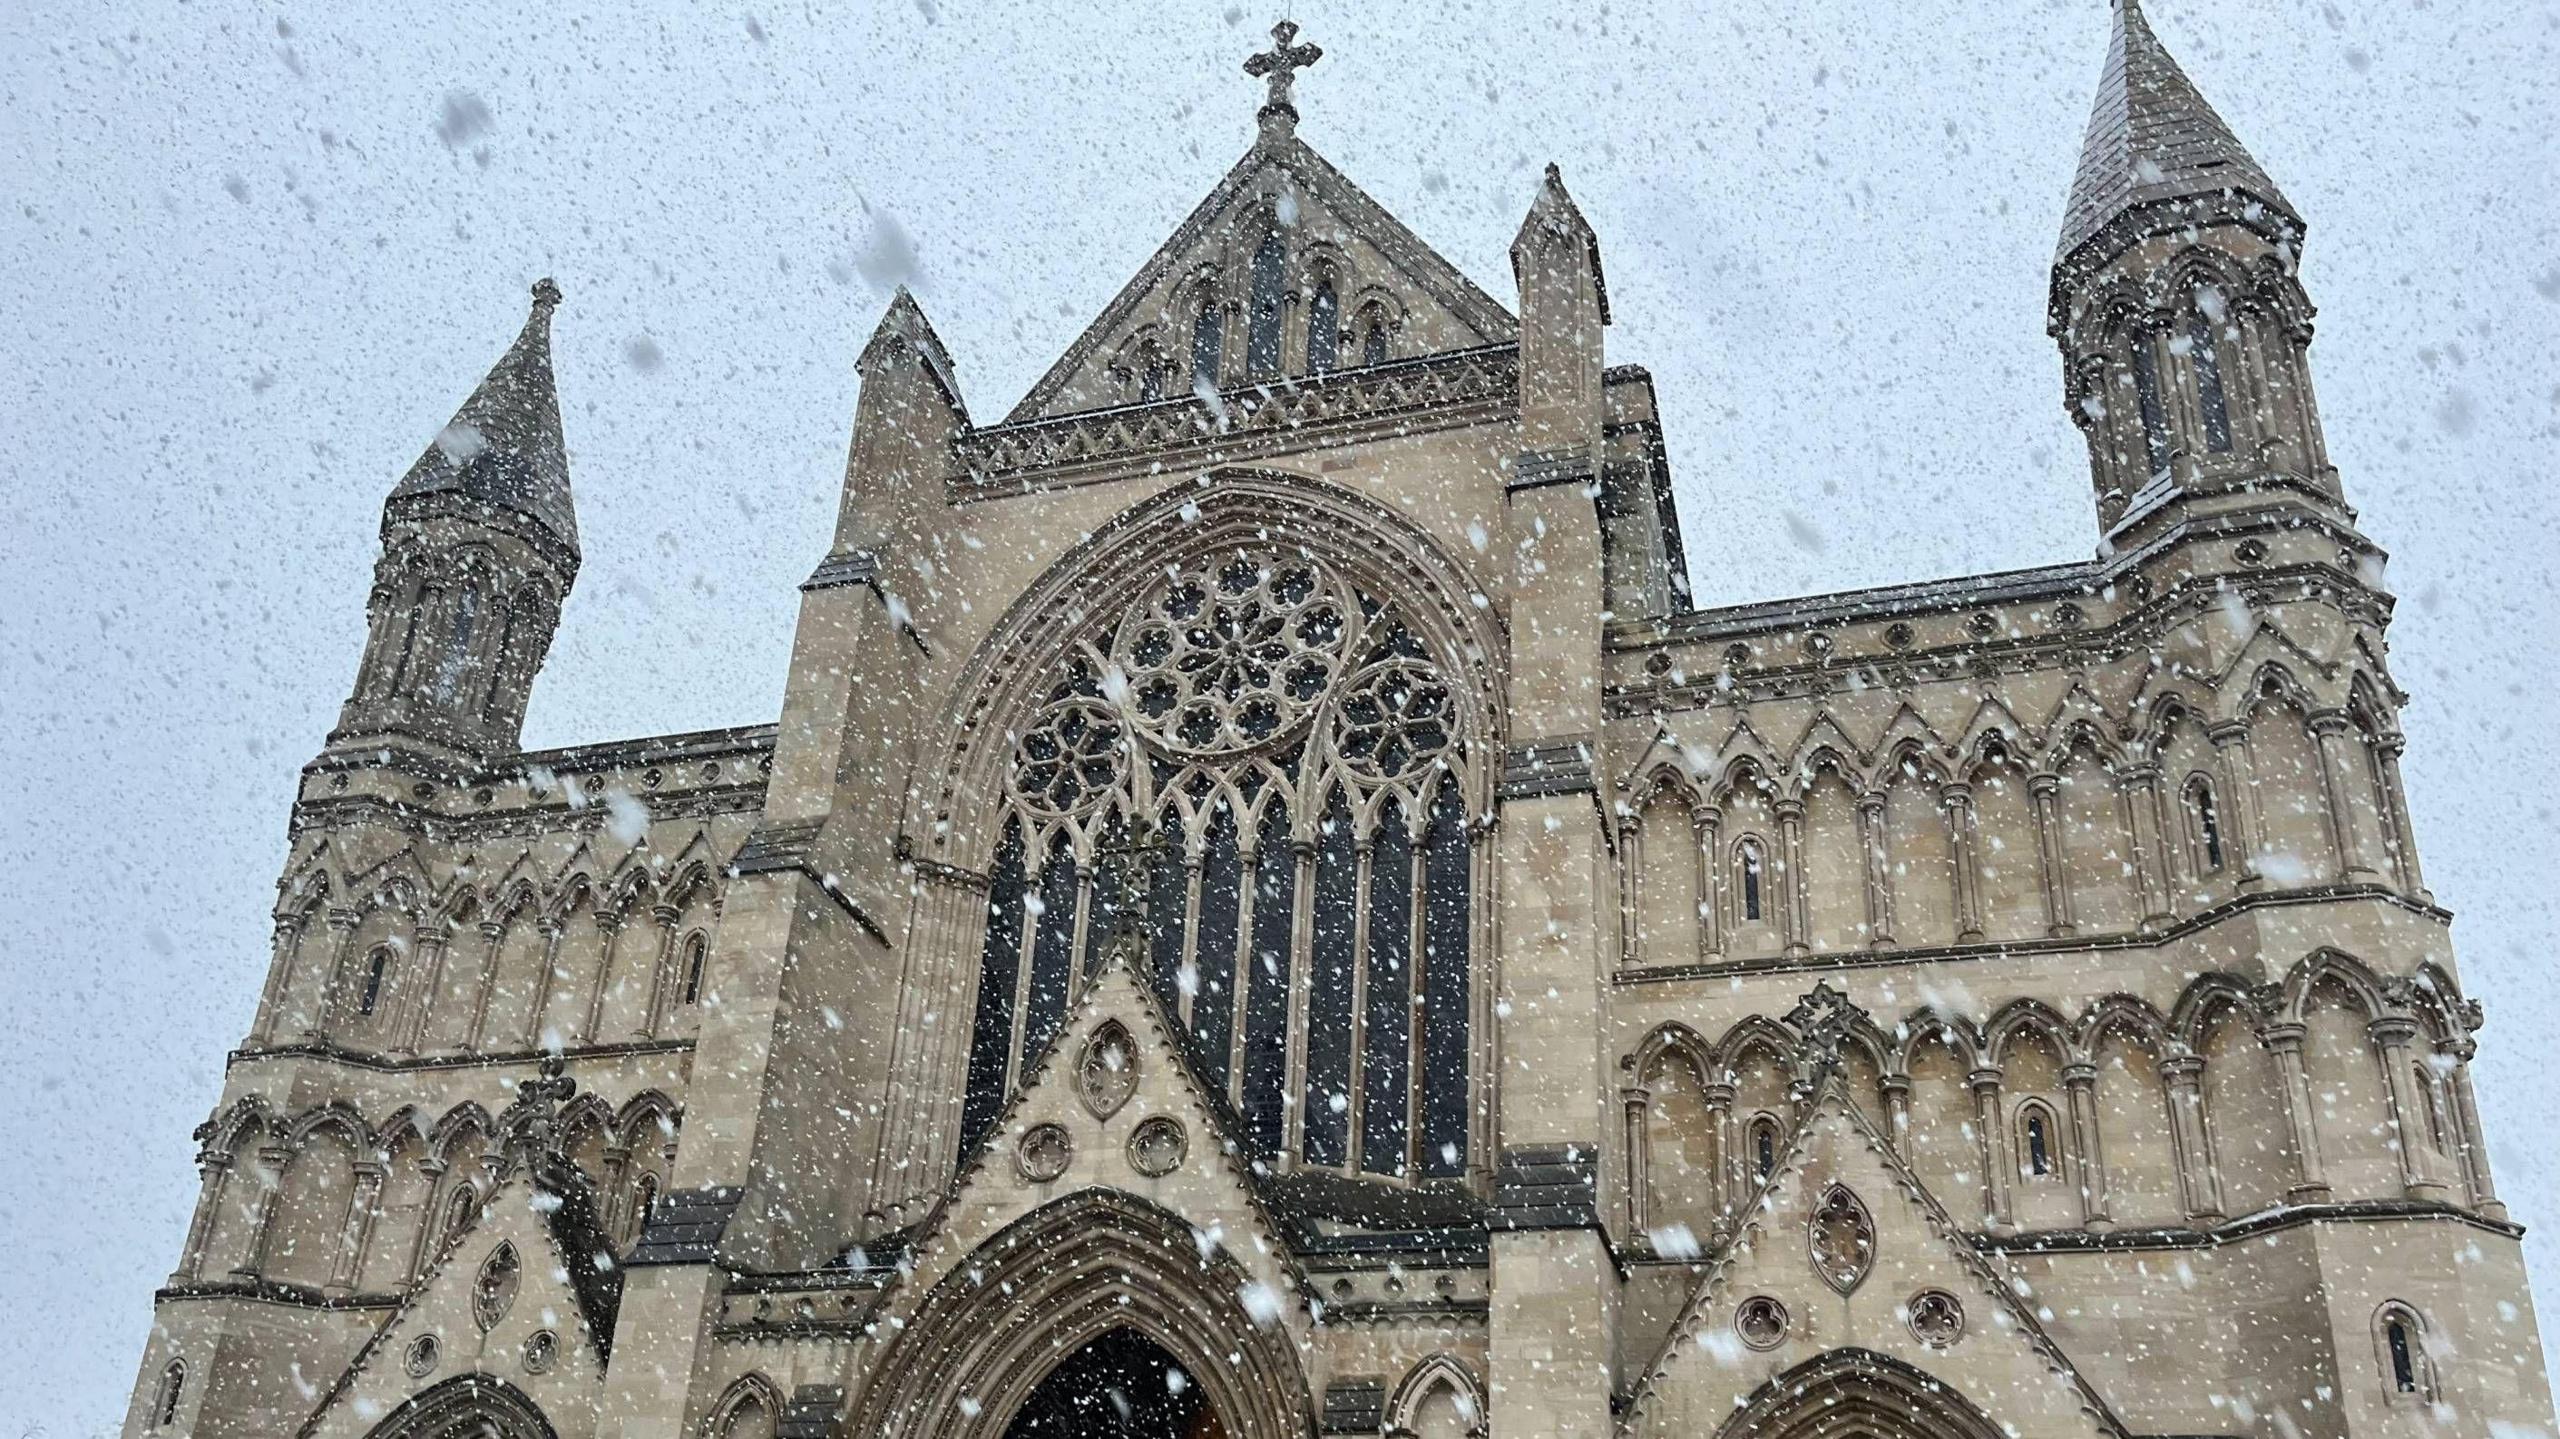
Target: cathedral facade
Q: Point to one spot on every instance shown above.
(1266, 910)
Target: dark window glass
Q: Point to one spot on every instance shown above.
(1764, 1148)
(1052, 953)
(1213, 1009)
(1386, 1066)
(1444, 987)
(2039, 1156)
(1168, 910)
(1262, 334)
(1208, 337)
(376, 965)
(2404, 1360)
(694, 953)
(1266, 1031)
(1110, 885)
(173, 1387)
(991, 1031)
(1328, 1097)
(2217, 412)
(2146, 390)
(1373, 341)
(1324, 329)
(1751, 879)
(2208, 823)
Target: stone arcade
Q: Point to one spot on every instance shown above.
(1267, 911)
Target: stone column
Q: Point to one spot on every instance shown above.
(2041, 792)
(610, 1197)
(324, 1006)
(551, 927)
(2392, 1038)
(1636, 1101)
(254, 1263)
(2184, 1076)
(420, 983)
(1707, 823)
(1991, 1132)
(2334, 731)
(1293, 1117)
(1727, 1175)
(608, 939)
(1879, 871)
(364, 1200)
(215, 1168)
(2285, 1042)
(2241, 828)
(1958, 800)
(1794, 911)
(2079, 1089)
(2475, 1141)
(1630, 882)
(2154, 877)
(492, 934)
(2405, 853)
(280, 966)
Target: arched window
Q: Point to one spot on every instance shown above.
(2038, 1153)
(643, 1194)
(1373, 336)
(1324, 329)
(377, 965)
(2208, 361)
(1748, 857)
(457, 655)
(2146, 393)
(1305, 856)
(696, 951)
(2208, 823)
(173, 1387)
(2400, 1344)
(1262, 329)
(460, 1210)
(1151, 376)
(1208, 340)
(1764, 1146)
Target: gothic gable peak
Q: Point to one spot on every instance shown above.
(1330, 233)
(1845, 1248)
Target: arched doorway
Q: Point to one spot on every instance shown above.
(468, 1406)
(1857, 1394)
(1121, 1384)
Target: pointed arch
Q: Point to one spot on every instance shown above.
(480, 1405)
(750, 1408)
(1437, 1391)
(1857, 1391)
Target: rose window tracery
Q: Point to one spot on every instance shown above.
(1254, 745)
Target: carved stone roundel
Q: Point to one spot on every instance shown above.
(1043, 1153)
(1107, 1071)
(1157, 1147)
(1935, 1317)
(1843, 1239)
(1760, 1321)
(1072, 759)
(1233, 652)
(1397, 718)
(493, 1293)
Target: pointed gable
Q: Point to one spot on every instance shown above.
(1845, 1250)
(1331, 229)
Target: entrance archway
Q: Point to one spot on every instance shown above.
(1121, 1384)
(468, 1406)
(1096, 1281)
(1857, 1394)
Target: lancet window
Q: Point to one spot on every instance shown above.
(1274, 760)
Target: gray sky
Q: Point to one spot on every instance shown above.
(254, 257)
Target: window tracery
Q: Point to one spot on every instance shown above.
(1275, 759)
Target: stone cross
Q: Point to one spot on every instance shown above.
(1280, 66)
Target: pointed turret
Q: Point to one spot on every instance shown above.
(479, 549)
(2182, 321)
(504, 449)
(1564, 305)
(2155, 146)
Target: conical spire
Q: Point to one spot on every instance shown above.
(504, 446)
(2153, 140)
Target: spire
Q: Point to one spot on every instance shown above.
(1553, 213)
(903, 325)
(504, 447)
(1279, 67)
(2154, 141)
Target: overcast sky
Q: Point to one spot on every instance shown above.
(253, 256)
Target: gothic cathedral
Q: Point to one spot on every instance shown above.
(1267, 911)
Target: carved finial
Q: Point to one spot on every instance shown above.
(546, 294)
(1279, 66)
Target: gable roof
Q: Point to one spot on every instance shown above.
(1834, 1143)
(1317, 182)
(2152, 140)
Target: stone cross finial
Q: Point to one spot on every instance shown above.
(1279, 66)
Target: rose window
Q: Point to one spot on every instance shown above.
(1073, 759)
(1225, 658)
